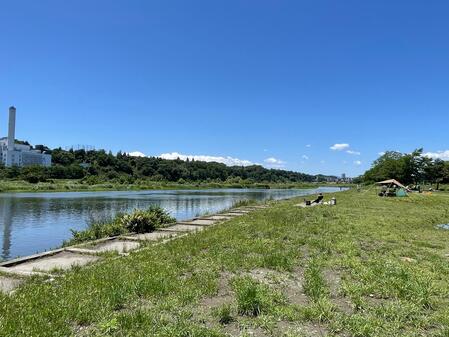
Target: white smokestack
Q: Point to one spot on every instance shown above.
(12, 128)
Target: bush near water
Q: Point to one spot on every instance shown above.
(138, 221)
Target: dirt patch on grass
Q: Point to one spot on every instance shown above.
(235, 330)
(282, 329)
(333, 279)
(224, 294)
(375, 301)
(83, 330)
(289, 283)
(300, 329)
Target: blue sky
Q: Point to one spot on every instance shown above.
(272, 82)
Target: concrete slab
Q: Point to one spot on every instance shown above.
(153, 236)
(240, 211)
(231, 214)
(200, 222)
(62, 260)
(117, 245)
(8, 284)
(218, 217)
(182, 228)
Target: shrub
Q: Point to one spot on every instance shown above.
(97, 229)
(139, 221)
(32, 179)
(144, 221)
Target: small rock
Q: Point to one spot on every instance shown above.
(408, 259)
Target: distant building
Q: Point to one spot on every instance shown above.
(12, 154)
(345, 179)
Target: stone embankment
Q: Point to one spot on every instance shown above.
(50, 264)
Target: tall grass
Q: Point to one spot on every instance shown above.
(138, 221)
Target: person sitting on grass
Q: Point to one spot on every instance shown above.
(318, 200)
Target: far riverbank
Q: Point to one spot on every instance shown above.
(73, 185)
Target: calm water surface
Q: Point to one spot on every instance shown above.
(35, 222)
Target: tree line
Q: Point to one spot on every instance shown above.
(98, 166)
(408, 168)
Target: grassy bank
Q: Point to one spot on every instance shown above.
(367, 267)
(75, 185)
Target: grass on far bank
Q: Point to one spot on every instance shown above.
(369, 266)
(76, 185)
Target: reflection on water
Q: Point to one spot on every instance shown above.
(35, 222)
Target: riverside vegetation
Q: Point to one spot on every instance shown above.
(99, 170)
(73, 185)
(138, 221)
(409, 168)
(369, 266)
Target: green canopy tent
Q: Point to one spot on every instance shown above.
(392, 188)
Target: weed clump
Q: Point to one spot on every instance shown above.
(224, 314)
(138, 221)
(144, 221)
(254, 298)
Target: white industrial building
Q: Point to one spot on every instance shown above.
(12, 154)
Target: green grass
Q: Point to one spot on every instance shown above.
(369, 266)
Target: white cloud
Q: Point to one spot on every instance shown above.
(308, 145)
(230, 161)
(305, 157)
(443, 155)
(274, 161)
(356, 153)
(137, 154)
(358, 162)
(381, 153)
(339, 147)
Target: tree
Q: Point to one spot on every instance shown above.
(408, 168)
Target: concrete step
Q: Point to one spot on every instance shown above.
(182, 228)
(198, 222)
(8, 284)
(239, 212)
(106, 245)
(231, 214)
(153, 236)
(217, 217)
(47, 262)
